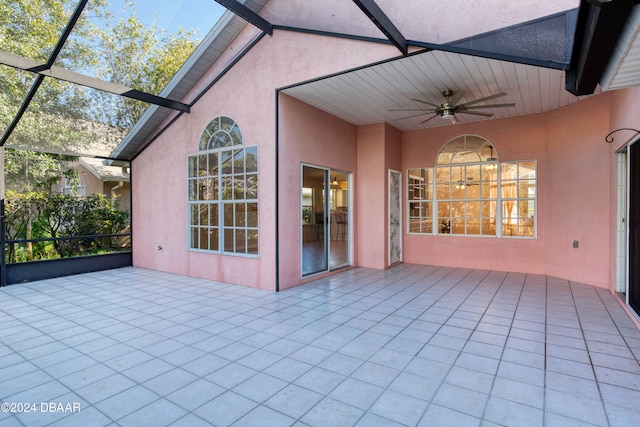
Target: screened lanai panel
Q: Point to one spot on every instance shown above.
(14, 85)
(128, 43)
(71, 119)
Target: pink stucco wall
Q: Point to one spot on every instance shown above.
(123, 194)
(371, 196)
(433, 21)
(578, 187)
(379, 149)
(312, 137)
(248, 96)
(93, 184)
(573, 189)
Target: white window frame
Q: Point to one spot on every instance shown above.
(530, 199)
(486, 171)
(70, 188)
(463, 186)
(206, 187)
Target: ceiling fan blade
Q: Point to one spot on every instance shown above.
(413, 109)
(432, 117)
(490, 106)
(475, 113)
(424, 102)
(457, 96)
(486, 98)
(414, 115)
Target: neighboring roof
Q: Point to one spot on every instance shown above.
(104, 172)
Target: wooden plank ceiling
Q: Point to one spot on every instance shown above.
(368, 95)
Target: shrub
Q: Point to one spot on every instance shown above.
(42, 215)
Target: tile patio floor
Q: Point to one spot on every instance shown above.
(413, 345)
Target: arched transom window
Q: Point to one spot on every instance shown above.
(469, 192)
(467, 149)
(220, 132)
(223, 191)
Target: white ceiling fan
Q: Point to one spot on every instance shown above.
(449, 108)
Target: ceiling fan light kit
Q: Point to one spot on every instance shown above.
(447, 112)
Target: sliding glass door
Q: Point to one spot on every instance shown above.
(315, 233)
(325, 214)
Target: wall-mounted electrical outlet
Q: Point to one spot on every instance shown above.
(575, 244)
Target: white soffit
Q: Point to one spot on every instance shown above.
(367, 95)
(624, 67)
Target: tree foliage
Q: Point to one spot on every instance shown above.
(27, 171)
(64, 117)
(61, 216)
(31, 28)
(152, 55)
(70, 118)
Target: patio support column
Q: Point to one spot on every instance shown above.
(379, 148)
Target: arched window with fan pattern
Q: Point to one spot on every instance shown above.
(469, 192)
(223, 191)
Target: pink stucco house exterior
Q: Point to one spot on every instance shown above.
(96, 178)
(290, 96)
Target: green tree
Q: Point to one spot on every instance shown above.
(63, 117)
(99, 215)
(56, 219)
(31, 28)
(57, 116)
(71, 118)
(27, 171)
(64, 215)
(152, 56)
(21, 210)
